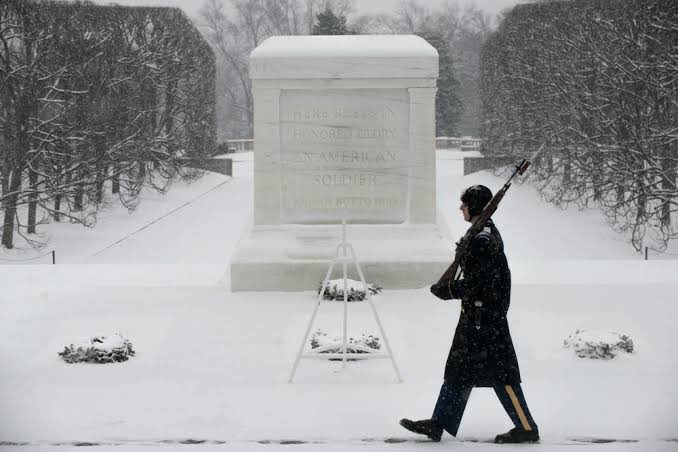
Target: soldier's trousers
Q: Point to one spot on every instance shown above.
(452, 402)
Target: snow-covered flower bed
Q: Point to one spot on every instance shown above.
(99, 349)
(354, 289)
(323, 343)
(598, 345)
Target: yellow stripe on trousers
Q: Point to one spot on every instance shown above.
(519, 409)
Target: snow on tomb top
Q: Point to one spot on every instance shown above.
(344, 56)
(342, 46)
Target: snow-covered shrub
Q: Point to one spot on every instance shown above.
(320, 339)
(355, 290)
(598, 345)
(99, 349)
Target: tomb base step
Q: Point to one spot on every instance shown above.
(297, 257)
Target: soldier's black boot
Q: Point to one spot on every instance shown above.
(426, 427)
(518, 435)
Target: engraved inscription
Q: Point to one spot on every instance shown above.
(344, 153)
(345, 179)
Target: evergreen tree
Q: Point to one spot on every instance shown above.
(330, 24)
(448, 106)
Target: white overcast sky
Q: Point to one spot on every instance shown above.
(191, 7)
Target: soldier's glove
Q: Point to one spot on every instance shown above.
(441, 290)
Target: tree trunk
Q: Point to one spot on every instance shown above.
(597, 175)
(642, 201)
(58, 198)
(78, 198)
(57, 208)
(101, 172)
(621, 191)
(99, 190)
(115, 188)
(669, 170)
(32, 201)
(10, 210)
(567, 171)
(8, 225)
(5, 184)
(170, 100)
(142, 171)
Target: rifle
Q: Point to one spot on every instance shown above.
(480, 221)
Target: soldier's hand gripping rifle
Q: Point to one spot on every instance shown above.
(481, 220)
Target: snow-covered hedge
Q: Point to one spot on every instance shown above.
(598, 345)
(366, 343)
(99, 349)
(355, 290)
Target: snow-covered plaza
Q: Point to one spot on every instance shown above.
(211, 365)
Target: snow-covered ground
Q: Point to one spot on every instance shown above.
(212, 365)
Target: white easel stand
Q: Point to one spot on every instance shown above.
(344, 259)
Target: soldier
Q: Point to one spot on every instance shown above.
(482, 353)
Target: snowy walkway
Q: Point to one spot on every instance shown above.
(214, 366)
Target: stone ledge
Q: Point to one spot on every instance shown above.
(300, 276)
(216, 165)
(296, 258)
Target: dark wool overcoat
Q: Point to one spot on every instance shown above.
(483, 356)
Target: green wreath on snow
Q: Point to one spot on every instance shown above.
(99, 350)
(355, 290)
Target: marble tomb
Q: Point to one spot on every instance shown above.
(344, 128)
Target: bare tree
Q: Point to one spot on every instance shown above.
(93, 94)
(596, 81)
(236, 27)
